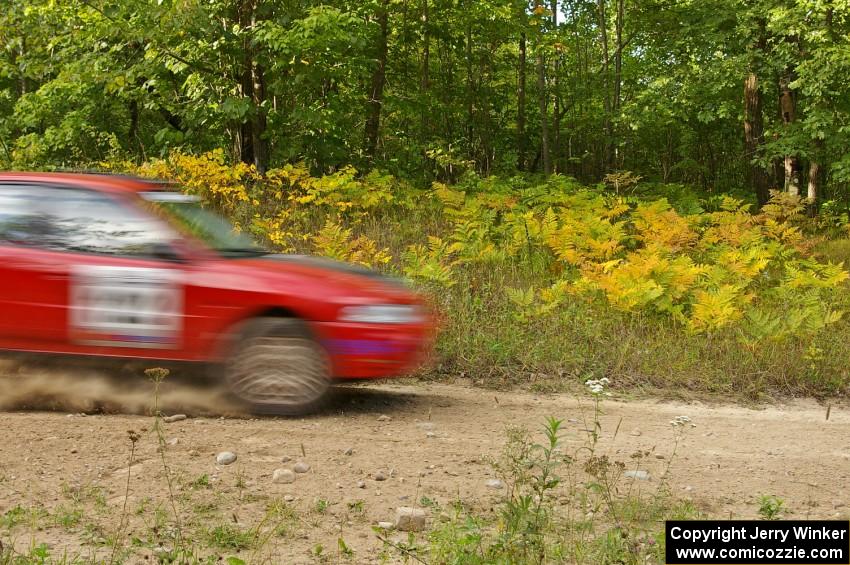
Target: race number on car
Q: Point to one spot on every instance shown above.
(126, 307)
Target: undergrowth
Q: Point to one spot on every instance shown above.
(551, 282)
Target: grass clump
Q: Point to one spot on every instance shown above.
(228, 536)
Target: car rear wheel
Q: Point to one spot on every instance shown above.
(278, 368)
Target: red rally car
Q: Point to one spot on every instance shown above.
(111, 266)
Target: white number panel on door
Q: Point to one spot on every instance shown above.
(126, 306)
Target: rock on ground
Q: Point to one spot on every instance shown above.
(283, 476)
(409, 519)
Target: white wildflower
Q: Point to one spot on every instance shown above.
(681, 421)
(597, 386)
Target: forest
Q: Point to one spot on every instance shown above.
(573, 184)
(722, 95)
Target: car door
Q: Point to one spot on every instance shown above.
(25, 272)
(96, 282)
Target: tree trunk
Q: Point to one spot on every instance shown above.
(556, 110)
(618, 55)
(245, 137)
(470, 117)
(520, 117)
(258, 98)
(251, 141)
(425, 79)
(260, 121)
(754, 136)
(815, 178)
(542, 100)
(606, 99)
(788, 107)
(816, 172)
(373, 122)
(814, 184)
(23, 85)
(133, 130)
(618, 71)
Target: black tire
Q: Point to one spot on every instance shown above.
(277, 367)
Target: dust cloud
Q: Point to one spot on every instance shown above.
(109, 390)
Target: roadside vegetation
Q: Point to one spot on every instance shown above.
(550, 283)
(585, 188)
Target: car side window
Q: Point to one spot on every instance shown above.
(19, 219)
(82, 221)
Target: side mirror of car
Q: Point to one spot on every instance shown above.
(165, 252)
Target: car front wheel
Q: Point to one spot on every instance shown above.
(278, 368)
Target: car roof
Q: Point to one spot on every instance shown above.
(101, 182)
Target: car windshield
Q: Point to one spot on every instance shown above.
(188, 214)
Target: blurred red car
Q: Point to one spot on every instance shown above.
(112, 266)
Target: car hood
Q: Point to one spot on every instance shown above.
(325, 264)
(352, 281)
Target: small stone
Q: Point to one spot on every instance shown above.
(409, 519)
(174, 418)
(380, 476)
(659, 456)
(349, 451)
(173, 441)
(285, 459)
(73, 450)
(385, 525)
(430, 435)
(384, 418)
(495, 484)
(361, 484)
(225, 458)
(636, 432)
(639, 475)
(283, 476)
(301, 467)
(288, 498)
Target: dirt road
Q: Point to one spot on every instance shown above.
(424, 440)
